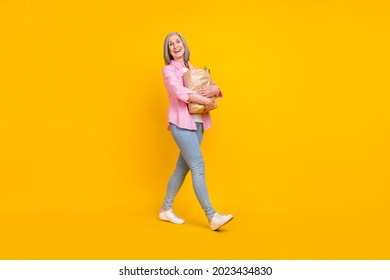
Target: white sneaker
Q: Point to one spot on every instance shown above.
(170, 216)
(219, 220)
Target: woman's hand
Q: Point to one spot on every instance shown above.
(209, 91)
(210, 105)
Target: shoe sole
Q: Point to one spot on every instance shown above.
(223, 224)
(167, 220)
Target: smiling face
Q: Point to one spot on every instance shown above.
(176, 47)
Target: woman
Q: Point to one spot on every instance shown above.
(187, 130)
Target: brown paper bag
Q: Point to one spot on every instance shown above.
(194, 79)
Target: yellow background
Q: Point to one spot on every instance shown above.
(299, 150)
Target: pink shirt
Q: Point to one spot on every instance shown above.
(178, 98)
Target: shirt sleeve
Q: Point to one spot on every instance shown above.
(175, 85)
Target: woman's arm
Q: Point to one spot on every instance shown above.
(210, 91)
(175, 85)
(199, 99)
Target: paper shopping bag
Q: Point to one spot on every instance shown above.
(194, 79)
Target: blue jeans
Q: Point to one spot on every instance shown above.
(190, 158)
